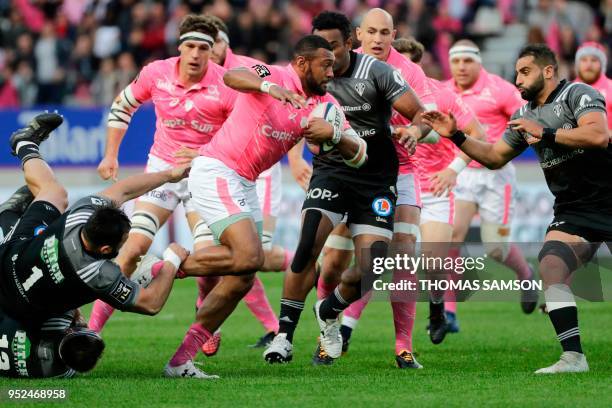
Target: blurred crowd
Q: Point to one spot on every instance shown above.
(82, 52)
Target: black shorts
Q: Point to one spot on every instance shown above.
(369, 207)
(590, 226)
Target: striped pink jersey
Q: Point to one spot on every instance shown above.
(185, 116)
(493, 100)
(604, 86)
(434, 157)
(261, 129)
(415, 77)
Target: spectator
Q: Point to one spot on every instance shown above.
(49, 53)
(25, 84)
(106, 84)
(9, 97)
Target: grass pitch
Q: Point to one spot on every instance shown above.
(490, 362)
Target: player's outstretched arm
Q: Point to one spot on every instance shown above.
(410, 107)
(591, 133)
(151, 299)
(492, 156)
(119, 117)
(135, 186)
(244, 80)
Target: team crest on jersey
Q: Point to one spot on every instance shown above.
(360, 88)
(382, 206)
(261, 70)
(557, 109)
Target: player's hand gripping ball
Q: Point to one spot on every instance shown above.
(333, 115)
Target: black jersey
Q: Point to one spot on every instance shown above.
(366, 93)
(33, 352)
(52, 272)
(578, 178)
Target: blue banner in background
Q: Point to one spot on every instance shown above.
(81, 139)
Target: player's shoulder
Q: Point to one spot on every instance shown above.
(160, 65)
(367, 66)
(499, 82)
(91, 201)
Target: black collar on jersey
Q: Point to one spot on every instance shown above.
(351, 67)
(552, 95)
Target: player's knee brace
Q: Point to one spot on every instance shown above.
(407, 229)
(308, 236)
(201, 233)
(145, 223)
(561, 250)
(495, 238)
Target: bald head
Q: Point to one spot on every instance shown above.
(376, 33)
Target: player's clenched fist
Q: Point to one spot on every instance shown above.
(108, 168)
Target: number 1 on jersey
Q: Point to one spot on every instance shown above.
(35, 276)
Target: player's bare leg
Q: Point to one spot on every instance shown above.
(561, 254)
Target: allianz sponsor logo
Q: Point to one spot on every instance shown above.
(73, 144)
(280, 135)
(21, 352)
(548, 163)
(365, 107)
(50, 256)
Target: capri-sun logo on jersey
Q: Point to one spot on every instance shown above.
(382, 206)
(50, 256)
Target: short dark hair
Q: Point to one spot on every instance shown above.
(331, 20)
(218, 23)
(410, 46)
(309, 45)
(199, 23)
(81, 348)
(106, 226)
(541, 53)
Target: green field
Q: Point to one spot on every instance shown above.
(489, 363)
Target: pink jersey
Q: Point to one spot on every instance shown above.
(493, 100)
(260, 129)
(234, 61)
(415, 77)
(604, 86)
(185, 117)
(435, 157)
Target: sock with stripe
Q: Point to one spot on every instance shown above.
(332, 306)
(290, 312)
(565, 321)
(26, 151)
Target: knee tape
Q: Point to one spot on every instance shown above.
(266, 239)
(145, 223)
(560, 250)
(308, 235)
(408, 229)
(201, 233)
(339, 242)
(495, 238)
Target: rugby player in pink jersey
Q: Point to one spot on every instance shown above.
(437, 170)
(480, 190)
(590, 65)
(191, 102)
(270, 116)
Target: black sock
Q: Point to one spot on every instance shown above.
(289, 316)
(27, 151)
(565, 321)
(346, 332)
(332, 306)
(436, 309)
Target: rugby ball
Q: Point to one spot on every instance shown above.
(334, 116)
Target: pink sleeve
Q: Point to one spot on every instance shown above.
(420, 84)
(142, 84)
(514, 101)
(270, 73)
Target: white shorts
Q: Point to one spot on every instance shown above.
(218, 192)
(438, 209)
(269, 190)
(408, 190)
(491, 190)
(168, 195)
